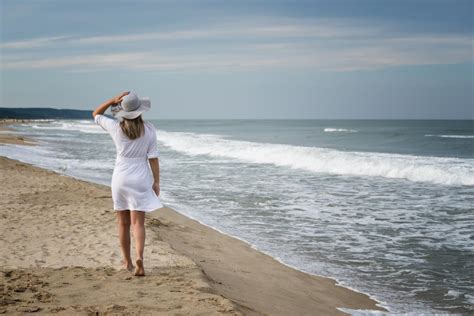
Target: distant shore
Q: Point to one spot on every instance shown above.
(43, 113)
(61, 255)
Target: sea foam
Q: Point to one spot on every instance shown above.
(332, 130)
(80, 126)
(451, 136)
(446, 171)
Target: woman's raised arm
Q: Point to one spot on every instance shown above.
(104, 106)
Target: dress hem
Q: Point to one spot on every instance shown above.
(146, 211)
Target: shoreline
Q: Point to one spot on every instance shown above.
(239, 274)
(378, 303)
(8, 136)
(244, 262)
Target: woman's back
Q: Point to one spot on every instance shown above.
(136, 148)
(141, 147)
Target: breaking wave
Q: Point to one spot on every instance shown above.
(446, 171)
(451, 136)
(332, 130)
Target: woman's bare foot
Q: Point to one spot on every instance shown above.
(128, 265)
(139, 270)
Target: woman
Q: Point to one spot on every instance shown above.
(134, 188)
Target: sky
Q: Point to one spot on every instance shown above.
(337, 59)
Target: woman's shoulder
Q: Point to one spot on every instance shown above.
(107, 123)
(149, 125)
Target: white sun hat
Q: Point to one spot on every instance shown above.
(130, 107)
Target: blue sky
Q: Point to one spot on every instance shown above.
(243, 59)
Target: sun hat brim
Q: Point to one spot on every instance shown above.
(145, 105)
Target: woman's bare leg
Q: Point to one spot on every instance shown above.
(138, 226)
(123, 223)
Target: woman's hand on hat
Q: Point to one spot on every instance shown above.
(119, 97)
(104, 106)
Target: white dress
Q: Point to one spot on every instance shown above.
(132, 178)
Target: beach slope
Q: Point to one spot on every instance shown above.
(60, 254)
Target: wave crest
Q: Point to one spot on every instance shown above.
(451, 136)
(447, 171)
(332, 130)
(83, 126)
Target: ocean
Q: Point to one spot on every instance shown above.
(385, 207)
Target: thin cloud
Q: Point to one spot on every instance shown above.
(324, 45)
(344, 59)
(34, 43)
(291, 29)
(101, 60)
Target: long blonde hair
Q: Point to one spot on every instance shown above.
(133, 128)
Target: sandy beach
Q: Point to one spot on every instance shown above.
(60, 254)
